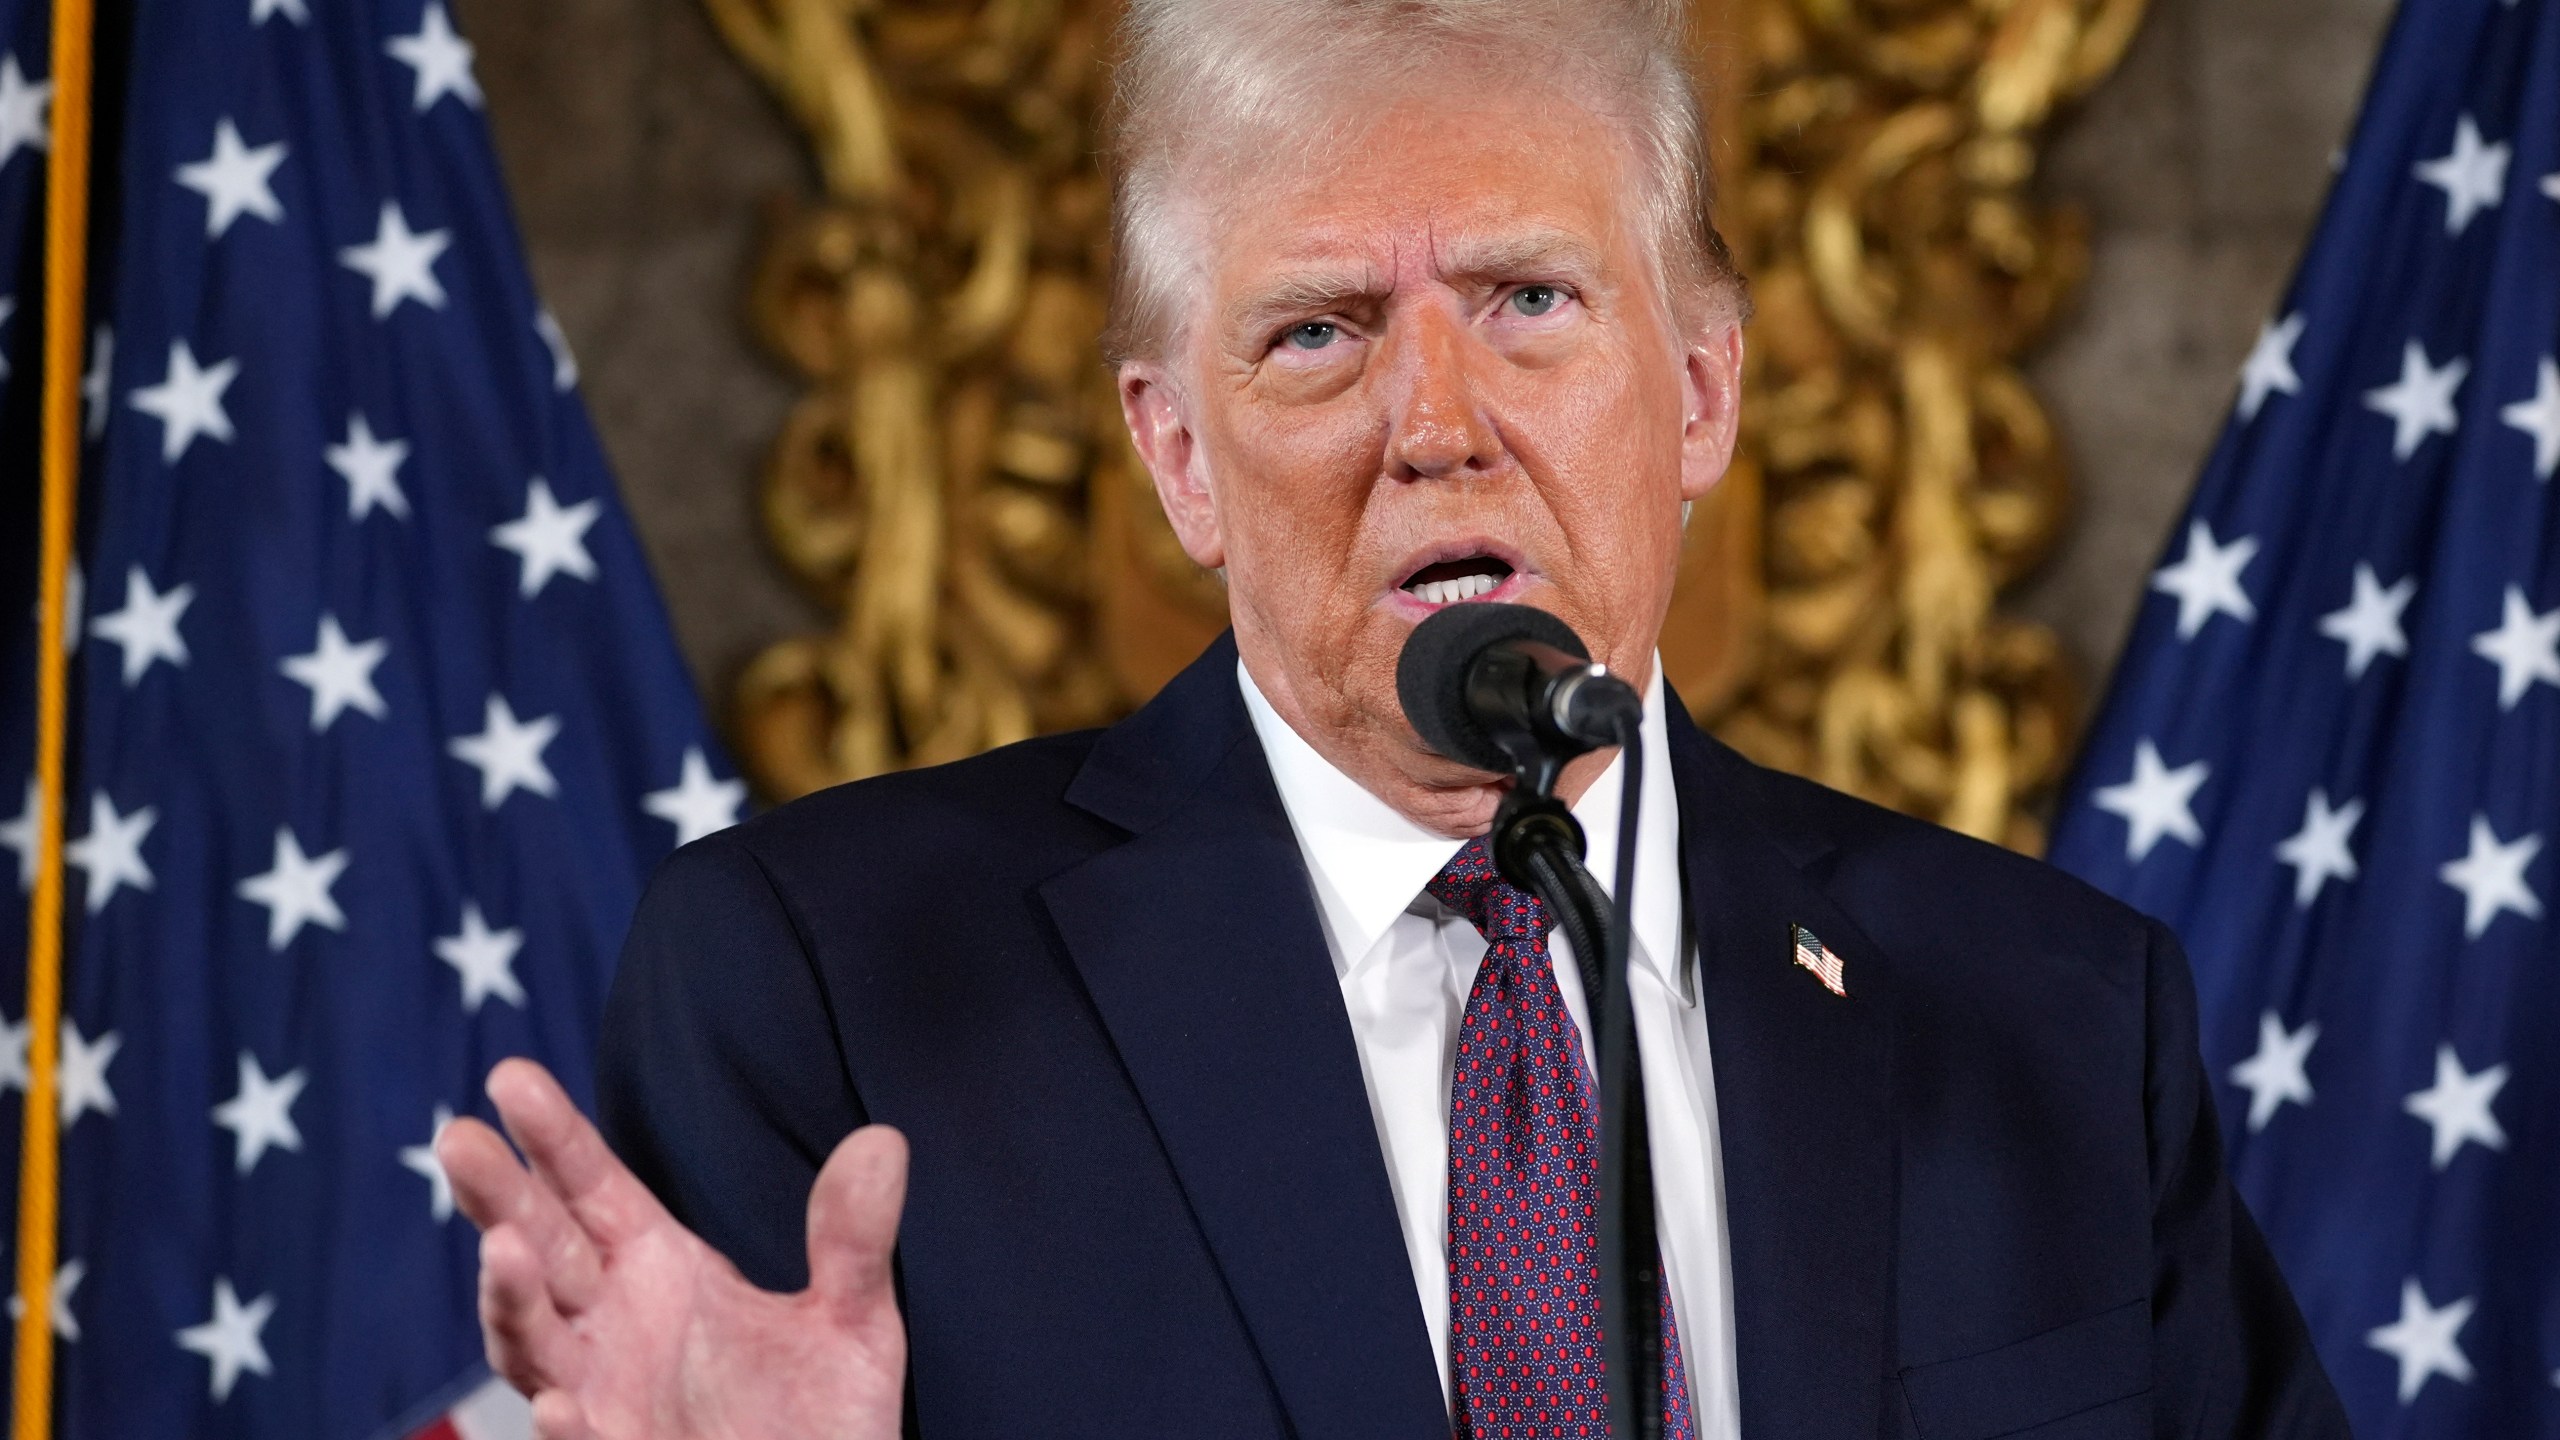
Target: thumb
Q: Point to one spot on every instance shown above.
(853, 1220)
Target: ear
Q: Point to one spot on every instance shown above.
(1711, 385)
(1160, 426)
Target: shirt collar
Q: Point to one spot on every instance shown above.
(1369, 862)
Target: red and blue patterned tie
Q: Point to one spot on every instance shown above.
(1524, 1189)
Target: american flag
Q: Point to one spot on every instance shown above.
(378, 722)
(2331, 758)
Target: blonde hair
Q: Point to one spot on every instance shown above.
(1198, 79)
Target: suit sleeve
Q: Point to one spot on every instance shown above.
(2231, 1357)
(719, 1079)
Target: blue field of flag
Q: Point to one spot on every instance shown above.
(379, 725)
(2331, 758)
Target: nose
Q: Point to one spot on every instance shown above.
(1437, 423)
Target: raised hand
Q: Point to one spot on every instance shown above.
(623, 1325)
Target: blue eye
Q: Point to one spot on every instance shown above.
(1313, 335)
(1536, 299)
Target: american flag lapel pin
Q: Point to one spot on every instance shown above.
(1813, 955)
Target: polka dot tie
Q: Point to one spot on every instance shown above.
(1524, 1189)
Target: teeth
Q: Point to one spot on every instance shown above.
(1450, 592)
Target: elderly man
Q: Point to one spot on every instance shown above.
(1418, 305)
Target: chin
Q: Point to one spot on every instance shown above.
(1463, 809)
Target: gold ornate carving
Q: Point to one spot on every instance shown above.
(941, 299)
(1881, 201)
(957, 487)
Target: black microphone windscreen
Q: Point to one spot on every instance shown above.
(1431, 675)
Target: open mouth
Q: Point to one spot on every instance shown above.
(1446, 582)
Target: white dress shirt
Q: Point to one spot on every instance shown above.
(1406, 963)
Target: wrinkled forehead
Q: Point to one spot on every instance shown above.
(1455, 184)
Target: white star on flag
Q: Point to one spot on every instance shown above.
(2471, 177)
(550, 539)
(74, 586)
(13, 1054)
(2456, 1107)
(564, 364)
(188, 402)
(441, 58)
(8, 307)
(295, 890)
(2420, 402)
(339, 674)
(93, 383)
(146, 629)
(2269, 370)
(24, 124)
(20, 834)
(2318, 851)
(698, 805)
(2525, 647)
(2551, 190)
(422, 1159)
(232, 1339)
(2539, 417)
(260, 1115)
(484, 958)
(66, 1284)
(2491, 877)
(2207, 579)
(2275, 1074)
(2154, 803)
(508, 753)
(235, 180)
(80, 1076)
(2370, 623)
(400, 262)
(111, 853)
(371, 468)
(2422, 1340)
(261, 11)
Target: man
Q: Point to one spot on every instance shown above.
(1418, 305)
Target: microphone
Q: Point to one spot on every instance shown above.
(1511, 689)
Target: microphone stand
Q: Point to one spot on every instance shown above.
(1538, 845)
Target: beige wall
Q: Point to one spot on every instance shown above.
(2202, 164)
(639, 157)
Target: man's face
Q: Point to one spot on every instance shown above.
(1433, 364)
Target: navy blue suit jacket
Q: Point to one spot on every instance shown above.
(1981, 1196)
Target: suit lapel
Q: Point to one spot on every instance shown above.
(1803, 1106)
(1199, 943)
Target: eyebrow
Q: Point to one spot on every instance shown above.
(1529, 253)
(1541, 252)
(1304, 292)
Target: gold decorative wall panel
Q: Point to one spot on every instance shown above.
(941, 297)
(956, 486)
(1880, 194)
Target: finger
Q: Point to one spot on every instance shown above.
(493, 1189)
(558, 1416)
(605, 1198)
(489, 1184)
(853, 1220)
(527, 1339)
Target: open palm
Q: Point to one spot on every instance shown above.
(623, 1325)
